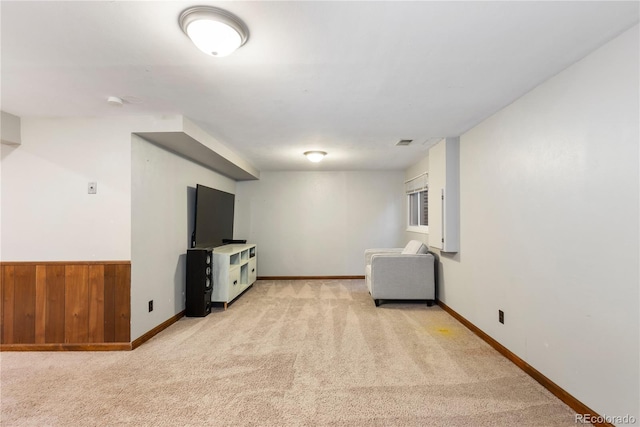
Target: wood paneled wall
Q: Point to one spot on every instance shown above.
(46, 303)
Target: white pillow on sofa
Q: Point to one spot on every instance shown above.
(415, 247)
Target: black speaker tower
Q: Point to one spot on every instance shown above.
(199, 282)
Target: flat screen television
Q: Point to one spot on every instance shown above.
(213, 218)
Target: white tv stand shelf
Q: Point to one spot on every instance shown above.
(234, 270)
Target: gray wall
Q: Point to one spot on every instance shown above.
(549, 229)
(162, 201)
(319, 223)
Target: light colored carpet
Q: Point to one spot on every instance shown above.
(286, 353)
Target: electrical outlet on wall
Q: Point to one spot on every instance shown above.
(93, 188)
(150, 306)
(501, 316)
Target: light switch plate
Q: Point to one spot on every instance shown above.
(93, 188)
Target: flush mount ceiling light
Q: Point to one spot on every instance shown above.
(315, 156)
(214, 31)
(115, 101)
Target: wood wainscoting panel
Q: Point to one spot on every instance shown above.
(7, 303)
(110, 303)
(41, 304)
(71, 303)
(76, 322)
(96, 303)
(1, 304)
(55, 303)
(24, 305)
(123, 303)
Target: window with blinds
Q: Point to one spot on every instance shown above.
(417, 190)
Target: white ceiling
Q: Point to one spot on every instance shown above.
(350, 78)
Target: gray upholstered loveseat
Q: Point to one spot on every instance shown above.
(401, 273)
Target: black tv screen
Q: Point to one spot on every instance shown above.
(214, 217)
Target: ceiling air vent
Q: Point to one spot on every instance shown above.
(404, 142)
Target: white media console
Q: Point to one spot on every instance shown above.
(234, 270)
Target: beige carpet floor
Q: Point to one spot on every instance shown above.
(286, 353)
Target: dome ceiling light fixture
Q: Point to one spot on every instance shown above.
(115, 101)
(315, 156)
(214, 31)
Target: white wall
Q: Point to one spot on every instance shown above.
(163, 197)
(47, 214)
(549, 229)
(319, 223)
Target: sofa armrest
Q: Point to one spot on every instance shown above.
(368, 253)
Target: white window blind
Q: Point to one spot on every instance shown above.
(417, 184)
